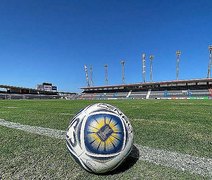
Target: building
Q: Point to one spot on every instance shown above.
(47, 87)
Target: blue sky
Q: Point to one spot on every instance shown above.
(51, 40)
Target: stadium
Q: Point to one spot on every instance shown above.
(175, 89)
(184, 89)
(181, 89)
(60, 124)
(172, 138)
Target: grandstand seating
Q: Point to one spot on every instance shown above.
(179, 94)
(115, 95)
(171, 94)
(28, 96)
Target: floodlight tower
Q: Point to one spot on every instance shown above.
(86, 75)
(123, 78)
(210, 61)
(91, 76)
(178, 53)
(151, 57)
(144, 67)
(106, 74)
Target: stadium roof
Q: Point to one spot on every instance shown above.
(15, 87)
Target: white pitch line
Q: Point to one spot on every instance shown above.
(183, 162)
(59, 134)
(179, 161)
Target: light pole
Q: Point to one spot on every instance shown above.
(144, 67)
(86, 75)
(210, 61)
(91, 76)
(106, 74)
(123, 78)
(178, 53)
(151, 57)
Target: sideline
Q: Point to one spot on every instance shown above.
(179, 161)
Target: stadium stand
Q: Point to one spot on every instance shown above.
(13, 92)
(171, 94)
(179, 94)
(28, 96)
(183, 89)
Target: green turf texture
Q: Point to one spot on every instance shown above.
(183, 126)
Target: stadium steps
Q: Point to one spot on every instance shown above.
(148, 94)
(128, 95)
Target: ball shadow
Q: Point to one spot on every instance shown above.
(129, 162)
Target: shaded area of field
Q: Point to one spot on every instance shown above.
(181, 126)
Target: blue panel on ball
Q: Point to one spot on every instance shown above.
(104, 134)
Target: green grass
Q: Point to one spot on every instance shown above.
(183, 126)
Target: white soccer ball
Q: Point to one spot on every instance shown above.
(99, 138)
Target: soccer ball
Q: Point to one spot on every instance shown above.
(99, 138)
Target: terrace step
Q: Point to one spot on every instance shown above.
(148, 94)
(128, 95)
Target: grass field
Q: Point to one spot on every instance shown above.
(183, 126)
